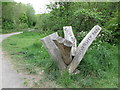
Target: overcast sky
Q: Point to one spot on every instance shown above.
(38, 5)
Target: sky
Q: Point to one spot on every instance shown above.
(38, 5)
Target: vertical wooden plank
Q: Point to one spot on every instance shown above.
(53, 50)
(83, 46)
(68, 35)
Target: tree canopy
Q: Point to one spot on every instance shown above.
(17, 15)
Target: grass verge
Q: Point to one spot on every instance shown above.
(98, 67)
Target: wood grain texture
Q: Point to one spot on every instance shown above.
(65, 49)
(68, 35)
(83, 46)
(53, 50)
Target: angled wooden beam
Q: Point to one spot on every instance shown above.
(83, 46)
(68, 35)
(53, 50)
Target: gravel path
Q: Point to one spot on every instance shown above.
(9, 77)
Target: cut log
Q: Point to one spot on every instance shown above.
(65, 48)
(53, 50)
(83, 46)
(68, 35)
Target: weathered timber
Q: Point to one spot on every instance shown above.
(68, 35)
(53, 50)
(83, 46)
(65, 48)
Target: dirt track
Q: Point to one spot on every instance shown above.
(9, 77)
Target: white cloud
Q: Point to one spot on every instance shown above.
(38, 5)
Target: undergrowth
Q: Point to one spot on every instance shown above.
(98, 68)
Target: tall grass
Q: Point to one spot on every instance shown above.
(98, 68)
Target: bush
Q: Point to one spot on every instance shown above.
(103, 36)
(8, 25)
(102, 57)
(81, 35)
(23, 26)
(112, 26)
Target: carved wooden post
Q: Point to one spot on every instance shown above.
(68, 35)
(53, 50)
(62, 49)
(83, 46)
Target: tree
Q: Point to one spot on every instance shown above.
(17, 15)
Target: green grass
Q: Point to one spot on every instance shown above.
(5, 31)
(98, 68)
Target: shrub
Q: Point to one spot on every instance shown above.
(81, 35)
(23, 26)
(8, 25)
(99, 58)
(103, 36)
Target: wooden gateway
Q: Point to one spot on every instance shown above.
(64, 51)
